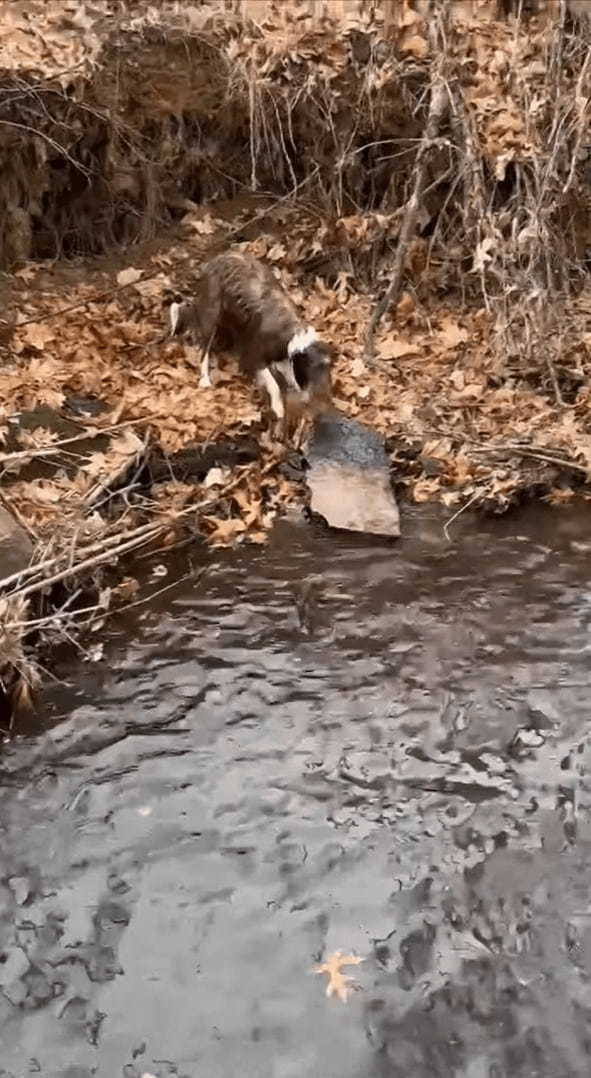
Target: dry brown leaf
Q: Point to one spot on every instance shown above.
(416, 45)
(224, 532)
(451, 334)
(393, 347)
(127, 589)
(358, 368)
(27, 273)
(405, 306)
(339, 984)
(203, 226)
(53, 398)
(38, 335)
(482, 255)
(119, 455)
(276, 253)
(424, 489)
(128, 276)
(560, 496)
(153, 288)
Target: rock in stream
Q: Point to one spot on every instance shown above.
(349, 477)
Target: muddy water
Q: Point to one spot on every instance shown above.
(391, 759)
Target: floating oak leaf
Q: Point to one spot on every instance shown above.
(338, 983)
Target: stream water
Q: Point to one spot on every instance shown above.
(327, 744)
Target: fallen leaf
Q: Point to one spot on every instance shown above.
(127, 589)
(482, 255)
(203, 226)
(415, 45)
(38, 335)
(95, 653)
(152, 289)
(128, 276)
(216, 477)
(28, 272)
(224, 532)
(357, 368)
(405, 306)
(425, 488)
(276, 253)
(338, 983)
(394, 347)
(451, 334)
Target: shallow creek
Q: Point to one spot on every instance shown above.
(389, 759)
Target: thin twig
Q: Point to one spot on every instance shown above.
(90, 563)
(50, 563)
(536, 454)
(463, 508)
(56, 447)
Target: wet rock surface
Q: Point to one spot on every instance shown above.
(349, 477)
(231, 796)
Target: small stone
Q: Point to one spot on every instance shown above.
(14, 966)
(19, 885)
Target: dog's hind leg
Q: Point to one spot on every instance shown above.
(205, 369)
(208, 315)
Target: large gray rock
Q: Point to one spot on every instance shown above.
(15, 546)
(349, 477)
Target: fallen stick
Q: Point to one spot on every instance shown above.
(111, 546)
(459, 512)
(49, 563)
(90, 563)
(548, 456)
(55, 447)
(437, 105)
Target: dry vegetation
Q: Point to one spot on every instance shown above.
(431, 154)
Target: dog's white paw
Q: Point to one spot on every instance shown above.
(205, 382)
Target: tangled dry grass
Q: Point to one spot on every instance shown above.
(433, 156)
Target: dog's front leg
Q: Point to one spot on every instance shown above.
(270, 385)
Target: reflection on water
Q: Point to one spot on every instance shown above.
(329, 744)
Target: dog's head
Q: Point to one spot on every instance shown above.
(311, 360)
